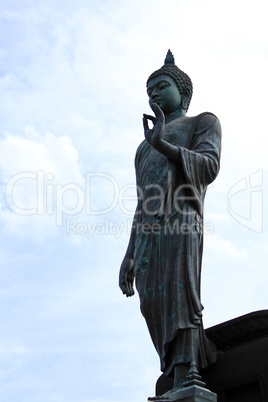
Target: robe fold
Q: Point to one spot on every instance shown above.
(168, 229)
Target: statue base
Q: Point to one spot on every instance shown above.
(193, 393)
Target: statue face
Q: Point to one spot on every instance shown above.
(163, 91)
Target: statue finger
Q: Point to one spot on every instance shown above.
(145, 124)
(122, 283)
(123, 288)
(130, 287)
(149, 117)
(158, 111)
(128, 292)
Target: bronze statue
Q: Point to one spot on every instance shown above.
(174, 165)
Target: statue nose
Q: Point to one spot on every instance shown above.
(154, 94)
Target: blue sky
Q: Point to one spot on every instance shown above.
(72, 95)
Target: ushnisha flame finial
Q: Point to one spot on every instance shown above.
(169, 58)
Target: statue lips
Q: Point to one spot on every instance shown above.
(157, 101)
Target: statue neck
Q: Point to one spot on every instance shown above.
(174, 115)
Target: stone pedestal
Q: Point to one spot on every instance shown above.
(193, 393)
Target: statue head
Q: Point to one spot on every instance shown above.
(182, 80)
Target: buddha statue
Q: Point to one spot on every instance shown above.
(178, 159)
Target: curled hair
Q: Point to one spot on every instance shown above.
(181, 79)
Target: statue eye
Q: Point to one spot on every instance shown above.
(163, 86)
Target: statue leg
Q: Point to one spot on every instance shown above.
(180, 373)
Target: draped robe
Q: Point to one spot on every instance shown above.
(169, 238)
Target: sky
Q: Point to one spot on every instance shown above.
(72, 95)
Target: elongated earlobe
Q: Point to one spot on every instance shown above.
(185, 99)
(184, 103)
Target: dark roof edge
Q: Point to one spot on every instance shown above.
(242, 329)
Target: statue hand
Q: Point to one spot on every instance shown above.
(126, 277)
(154, 135)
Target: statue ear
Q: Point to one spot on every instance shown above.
(185, 98)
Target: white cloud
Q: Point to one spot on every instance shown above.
(224, 250)
(32, 167)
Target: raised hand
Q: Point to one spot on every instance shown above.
(154, 136)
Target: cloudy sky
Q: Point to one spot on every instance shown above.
(72, 89)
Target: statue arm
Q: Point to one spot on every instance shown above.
(131, 244)
(126, 274)
(200, 163)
